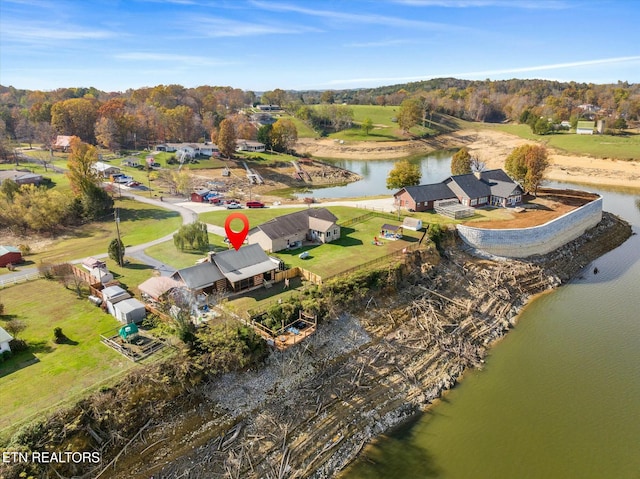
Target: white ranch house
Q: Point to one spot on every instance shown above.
(191, 150)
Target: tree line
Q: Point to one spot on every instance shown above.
(146, 116)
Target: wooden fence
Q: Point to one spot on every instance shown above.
(366, 216)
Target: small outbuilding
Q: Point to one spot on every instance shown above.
(199, 196)
(129, 332)
(129, 311)
(5, 339)
(414, 224)
(113, 295)
(9, 255)
(391, 232)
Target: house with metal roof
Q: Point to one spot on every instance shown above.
(5, 339)
(585, 127)
(229, 270)
(290, 231)
(21, 177)
(245, 268)
(493, 187)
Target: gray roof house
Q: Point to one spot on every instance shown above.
(287, 231)
(492, 187)
(247, 267)
(199, 277)
(238, 270)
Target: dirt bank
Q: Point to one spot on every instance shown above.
(492, 147)
(311, 409)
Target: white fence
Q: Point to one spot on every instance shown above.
(4, 282)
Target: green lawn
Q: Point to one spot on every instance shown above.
(599, 146)
(352, 249)
(139, 223)
(257, 216)
(49, 375)
(171, 256)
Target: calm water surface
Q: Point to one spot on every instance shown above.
(435, 167)
(559, 396)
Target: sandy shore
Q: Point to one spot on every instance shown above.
(492, 147)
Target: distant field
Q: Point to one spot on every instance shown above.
(599, 146)
(49, 375)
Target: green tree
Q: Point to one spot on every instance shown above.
(367, 125)
(620, 124)
(96, 203)
(284, 135)
(541, 126)
(527, 165)
(116, 251)
(264, 136)
(194, 235)
(410, 113)
(327, 97)
(461, 162)
(403, 174)
(227, 138)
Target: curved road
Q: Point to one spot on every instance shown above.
(189, 212)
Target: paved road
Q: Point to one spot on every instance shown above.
(189, 211)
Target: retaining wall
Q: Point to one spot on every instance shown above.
(524, 242)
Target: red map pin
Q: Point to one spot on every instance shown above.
(236, 237)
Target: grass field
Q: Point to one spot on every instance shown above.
(49, 375)
(139, 223)
(600, 146)
(171, 256)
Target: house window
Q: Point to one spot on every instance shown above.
(474, 202)
(328, 234)
(335, 232)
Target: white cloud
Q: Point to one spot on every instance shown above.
(525, 4)
(223, 27)
(28, 32)
(170, 58)
(488, 73)
(373, 19)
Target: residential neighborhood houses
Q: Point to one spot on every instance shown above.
(292, 230)
(492, 187)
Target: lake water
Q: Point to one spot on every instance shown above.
(559, 396)
(435, 167)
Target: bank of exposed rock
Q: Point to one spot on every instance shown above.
(311, 409)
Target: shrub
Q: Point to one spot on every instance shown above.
(58, 335)
(6, 355)
(25, 249)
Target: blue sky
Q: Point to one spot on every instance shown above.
(296, 44)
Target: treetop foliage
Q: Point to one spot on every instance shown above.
(403, 174)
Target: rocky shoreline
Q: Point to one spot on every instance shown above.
(310, 410)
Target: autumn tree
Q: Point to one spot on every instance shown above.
(403, 174)
(226, 138)
(410, 114)
(76, 116)
(367, 125)
(284, 135)
(461, 162)
(527, 164)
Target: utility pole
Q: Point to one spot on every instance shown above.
(120, 245)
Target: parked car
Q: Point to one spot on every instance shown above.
(233, 206)
(133, 184)
(254, 204)
(122, 179)
(303, 255)
(216, 200)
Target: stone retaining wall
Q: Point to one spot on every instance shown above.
(524, 242)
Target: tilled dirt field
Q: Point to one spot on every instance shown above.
(311, 409)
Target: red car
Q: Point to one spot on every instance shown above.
(254, 204)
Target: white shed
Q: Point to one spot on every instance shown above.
(102, 274)
(129, 311)
(5, 339)
(113, 295)
(414, 224)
